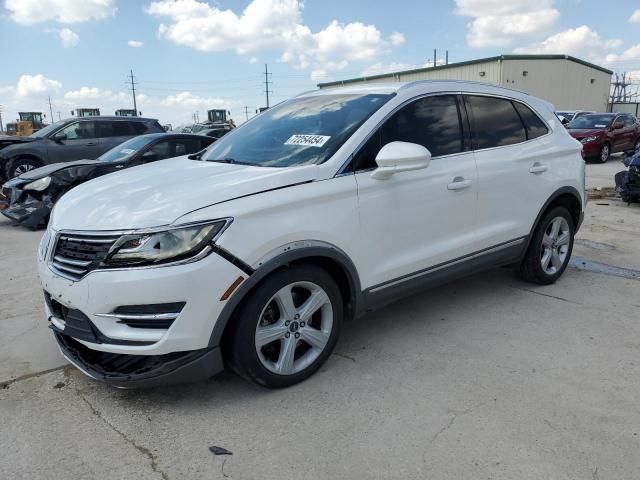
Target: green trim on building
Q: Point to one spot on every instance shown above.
(468, 62)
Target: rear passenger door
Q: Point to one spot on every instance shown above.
(417, 219)
(112, 133)
(515, 168)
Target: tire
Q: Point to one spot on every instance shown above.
(605, 153)
(22, 165)
(258, 344)
(549, 252)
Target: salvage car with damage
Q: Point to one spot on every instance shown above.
(29, 198)
(322, 208)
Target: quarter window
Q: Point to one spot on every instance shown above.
(535, 127)
(140, 127)
(496, 122)
(108, 129)
(433, 122)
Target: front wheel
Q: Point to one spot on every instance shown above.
(287, 327)
(550, 248)
(605, 153)
(21, 166)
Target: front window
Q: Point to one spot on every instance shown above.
(47, 130)
(302, 131)
(592, 121)
(125, 150)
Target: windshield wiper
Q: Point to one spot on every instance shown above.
(232, 161)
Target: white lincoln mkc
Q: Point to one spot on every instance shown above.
(252, 253)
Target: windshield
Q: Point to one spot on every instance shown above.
(302, 131)
(126, 150)
(592, 121)
(43, 132)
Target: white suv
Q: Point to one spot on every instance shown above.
(252, 253)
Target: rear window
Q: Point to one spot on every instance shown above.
(535, 127)
(113, 129)
(496, 122)
(140, 128)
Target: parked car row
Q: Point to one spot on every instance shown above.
(29, 198)
(251, 253)
(603, 134)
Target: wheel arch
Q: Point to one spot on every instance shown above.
(567, 197)
(9, 164)
(328, 257)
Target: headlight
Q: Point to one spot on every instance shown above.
(164, 246)
(592, 138)
(38, 185)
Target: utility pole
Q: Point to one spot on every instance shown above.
(59, 117)
(446, 57)
(1, 127)
(246, 112)
(435, 56)
(266, 83)
(51, 109)
(133, 84)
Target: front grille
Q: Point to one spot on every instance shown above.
(76, 255)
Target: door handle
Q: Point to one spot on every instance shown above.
(91, 144)
(459, 183)
(538, 168)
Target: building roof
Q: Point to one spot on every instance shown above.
(468, 62)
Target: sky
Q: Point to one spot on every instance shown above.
(188, 56)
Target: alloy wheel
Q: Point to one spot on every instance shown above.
(294, 328)
(604, 153)
(555, 245)
(23, 168)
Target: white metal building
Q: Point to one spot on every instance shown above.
(567, 82)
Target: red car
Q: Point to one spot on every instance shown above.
(602, 134)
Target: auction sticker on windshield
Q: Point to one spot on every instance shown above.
(307, 140)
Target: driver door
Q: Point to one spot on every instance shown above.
(81, 143)
(416, 221)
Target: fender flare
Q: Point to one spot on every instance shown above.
(554, 196)
(288, 254)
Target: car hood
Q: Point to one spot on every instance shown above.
(585, 132)
(6, 140)
(159, 193)
(47, 170)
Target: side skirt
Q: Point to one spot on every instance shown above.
(499, 255)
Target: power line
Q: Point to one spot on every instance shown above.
(266, 83)
(133, 84)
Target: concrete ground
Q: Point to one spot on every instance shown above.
(487, 377)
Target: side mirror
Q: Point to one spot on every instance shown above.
(397, 157)
(149, 156)
(618, 125)
(59, 137)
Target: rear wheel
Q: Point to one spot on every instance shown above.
(22, 165)
(550, 248)
(287, 327)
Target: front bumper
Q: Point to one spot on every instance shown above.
(199, 285)
(22, 208)
(592, 149)
(139, 371)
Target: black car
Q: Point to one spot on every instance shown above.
(29, 198)
(69, 140)
(628, 181)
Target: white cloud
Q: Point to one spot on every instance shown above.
(635, 17)
(28, 12)
(630, 54)
(253, 60)
(497, 23)
(135, 43)
(581, 41)
(92, 94)
(29, 85)
(381, 68)
(268, 24)
(69, 38)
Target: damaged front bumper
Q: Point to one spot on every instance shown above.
(23, 208)
(139, 371)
